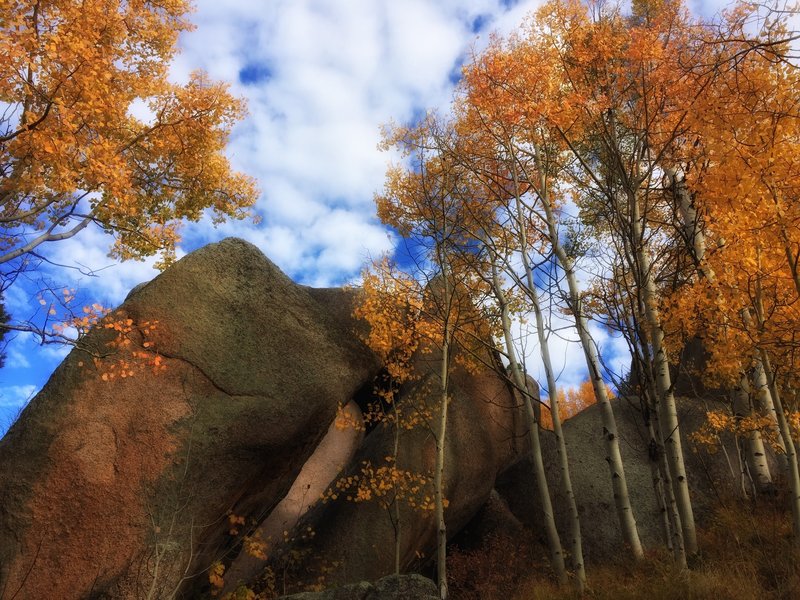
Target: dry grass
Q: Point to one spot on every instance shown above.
(747, 554)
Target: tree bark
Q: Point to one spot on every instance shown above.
(441, 446)
(518, 378)
(792, 472)
(627, 520)
(755, 455)
(768, 406)
(670, 427)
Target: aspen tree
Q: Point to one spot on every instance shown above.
(514, 77)
(746, 154)
(71, 153)
(424, 203)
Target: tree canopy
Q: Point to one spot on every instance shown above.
(663, 145)
(73, 150)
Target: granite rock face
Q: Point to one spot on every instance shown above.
(486, 434)
(121, 488)
(392, 587)
(708, 476)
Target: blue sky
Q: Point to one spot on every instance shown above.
(320, 78)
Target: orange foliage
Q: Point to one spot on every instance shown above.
(572, 401)
(391, 304)
(718, 422)
(385, 483)
(215, 573)
(121, 360)
(72, 151)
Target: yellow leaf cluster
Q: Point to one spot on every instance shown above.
(256, 547)
(391, 304)
(718, 422)
(74, 153)
(215, 573)
(123, 359)
(235, 521)
(386, 484)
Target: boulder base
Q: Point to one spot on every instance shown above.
(393, 587)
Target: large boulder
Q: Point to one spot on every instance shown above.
(392, 587)
(128, 488)
(602, 540)
(350, 539)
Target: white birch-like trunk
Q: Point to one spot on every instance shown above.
(792, 472)
(673, 514)
(639, 339)
(518, 378)
(441, 446)
(627, 520)
(438, 480)
(692, 230)
(668, 413)
(768, 407)
(398, 530)
(755, 454)
(657, 439)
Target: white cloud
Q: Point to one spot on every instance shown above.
(17, 395)
(15, 358)
(320, 77)
(95, 276)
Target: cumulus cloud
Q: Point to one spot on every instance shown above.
(16, 396)
(16, 358)
(320, 77)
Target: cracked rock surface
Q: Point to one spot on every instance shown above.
(123, 488)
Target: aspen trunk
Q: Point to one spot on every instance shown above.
(668, 413)
(673, 515)
(639, 341)
(755, 455)
(553, 540)
(658, 490)
(695, 239)
(627, 520)
(677, 544)
(441, 531)
(668, 416)
(441, 436)
(397, 522)
(662, 485)
(792, 472)
(576, 543)
(657, 442)
(768, 406)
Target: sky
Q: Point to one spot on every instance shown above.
(320, 78)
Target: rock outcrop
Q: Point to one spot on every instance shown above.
(591, 479)
(160, 443)
(122, 489)
(392, 587)
(354, 539)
